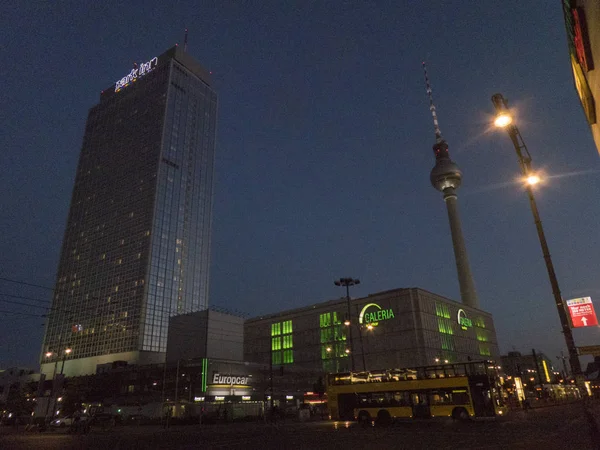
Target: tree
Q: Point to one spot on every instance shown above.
(19, 400)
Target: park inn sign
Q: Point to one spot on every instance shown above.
(372, 314)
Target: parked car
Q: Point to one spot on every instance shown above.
(66, 421)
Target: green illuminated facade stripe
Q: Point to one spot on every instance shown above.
(282, 342)
(446, 329)
(204, 373)
(442, 310)
(332, 337)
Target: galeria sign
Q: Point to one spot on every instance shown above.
(372, 314)
(136, 72)
(463, 320)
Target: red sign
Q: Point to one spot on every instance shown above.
(582, 312)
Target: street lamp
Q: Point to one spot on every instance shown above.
(68, 350)
(504, 120)
(347, 282)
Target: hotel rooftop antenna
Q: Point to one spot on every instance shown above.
(185, 41)
(446, 177)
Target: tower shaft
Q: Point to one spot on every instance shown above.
(468, 294)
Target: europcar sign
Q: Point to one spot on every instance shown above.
(230, 379)
(372, 314)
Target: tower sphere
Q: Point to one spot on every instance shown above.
(445, 174)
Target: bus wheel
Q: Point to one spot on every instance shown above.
(460, 414)
(384, 418)
(364, 418)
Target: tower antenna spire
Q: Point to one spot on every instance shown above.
(436, 125)
(185, 41)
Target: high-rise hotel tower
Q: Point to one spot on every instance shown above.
(136, 249)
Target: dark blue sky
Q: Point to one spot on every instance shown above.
(323, 150)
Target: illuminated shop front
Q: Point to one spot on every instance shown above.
(396, 328)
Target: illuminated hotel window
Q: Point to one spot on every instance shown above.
(484, 350)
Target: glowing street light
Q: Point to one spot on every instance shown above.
(524, 157)
(49, 354)
(533, 179)
(369, 327)
(503, 120)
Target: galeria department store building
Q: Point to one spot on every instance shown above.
(391, 329)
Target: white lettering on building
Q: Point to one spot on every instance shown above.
(136, 72)
(229, 379)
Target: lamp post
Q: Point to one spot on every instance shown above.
(67, 351)
(505, 120)
(347, 282)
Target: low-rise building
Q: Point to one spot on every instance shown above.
(391, 329)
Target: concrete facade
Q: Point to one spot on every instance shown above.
(206, 334)
(391, 329)
(582, 20)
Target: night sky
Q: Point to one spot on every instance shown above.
(323, 150)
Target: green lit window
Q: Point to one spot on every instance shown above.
(442, 310)
(339, 333)
(276, 358)
(484, 350)
(445, 326)
(481, 336)
(447, 342)
(288, 356)
(333, 340)
(480, 322)
(281, 338)
(340, 350)
(276, 343)
(326, 335)
(336, 319)
(326, 352)
(275, 329)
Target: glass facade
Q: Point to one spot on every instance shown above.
(137, 243)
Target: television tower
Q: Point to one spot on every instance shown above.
(446, 178)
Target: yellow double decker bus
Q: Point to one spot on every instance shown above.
(459, 390)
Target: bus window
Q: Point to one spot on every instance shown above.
(440, 397)
(401, 399)
(460, 397)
